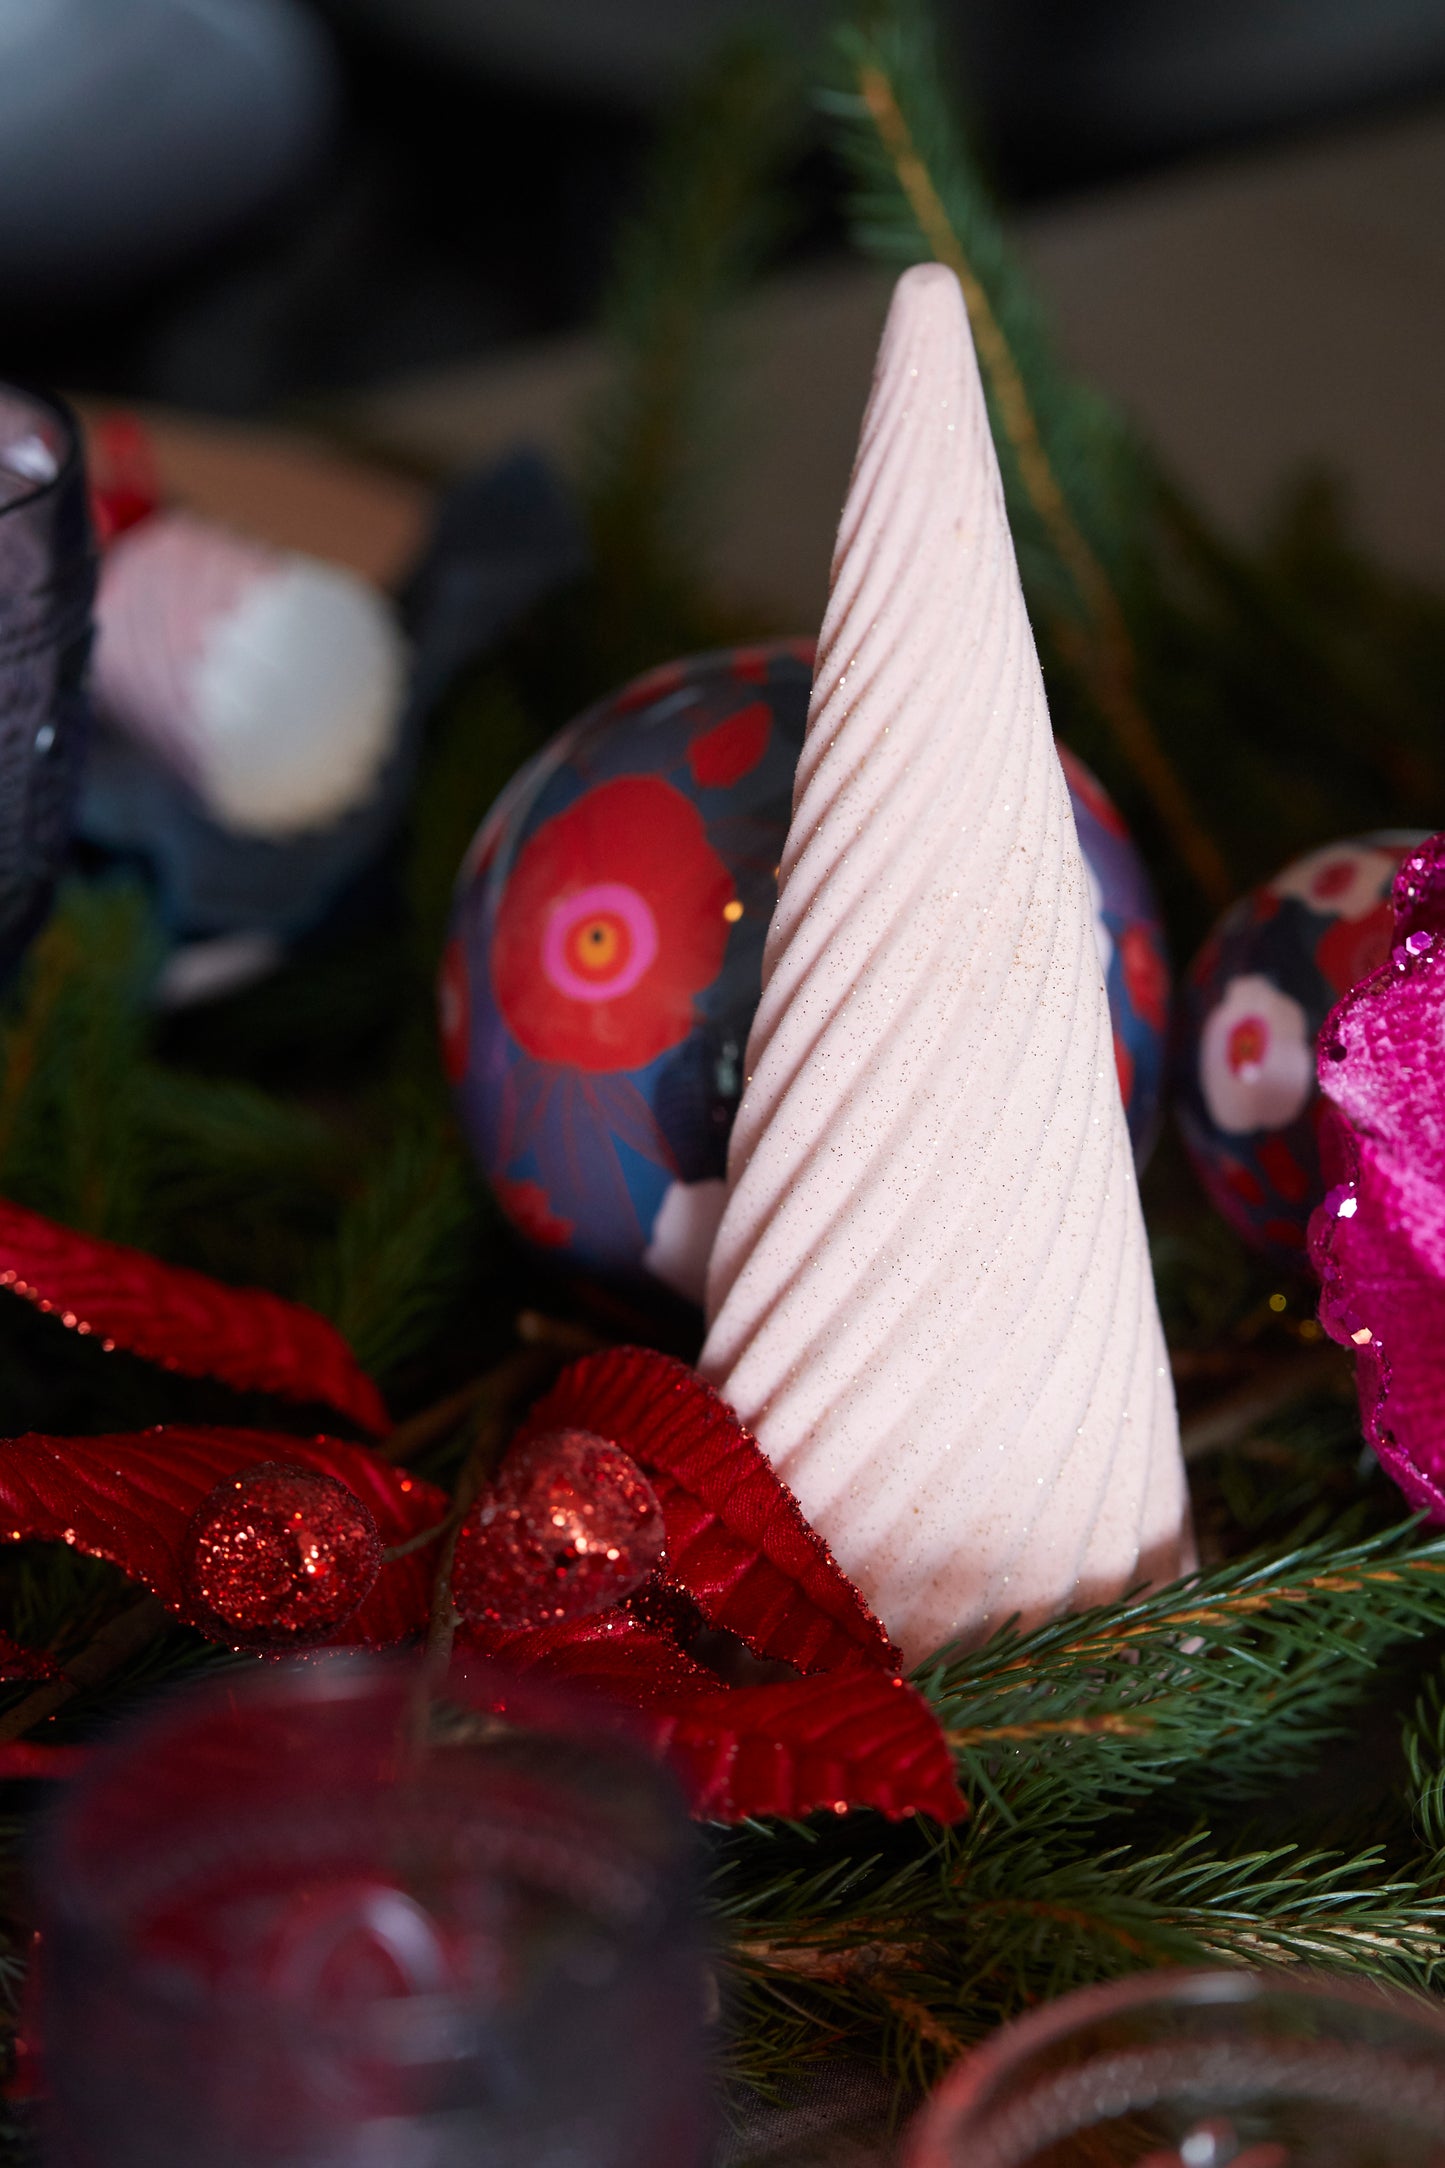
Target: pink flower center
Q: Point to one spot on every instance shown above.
(1247, 1046)
(1332, 880)
(598, 942)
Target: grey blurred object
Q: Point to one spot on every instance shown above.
(505, 536)
(1149, 77)
(134, 131)
(47, 585)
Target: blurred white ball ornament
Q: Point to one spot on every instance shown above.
(271, 684)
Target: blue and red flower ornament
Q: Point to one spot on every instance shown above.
(606, 952)
(1129, 935)
(606, 956)
(1251, 1008)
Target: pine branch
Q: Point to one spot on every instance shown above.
(70, 1048)
(1424, 1747)
(99, 1134)
(234, 1181)
(122, 1638)
(1074, 484)
(972, 1932)
(480, 741)
(408, 1245)
(1244, 1673)
(908, 1942)
(708, 215)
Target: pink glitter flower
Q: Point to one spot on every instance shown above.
(1378, 1240)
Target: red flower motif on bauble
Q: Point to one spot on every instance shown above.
(529, 1209)
(1354, 947)
(1344, 880)
(732, 748)
(1146, 975)
(613, 919)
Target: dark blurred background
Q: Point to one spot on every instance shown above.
(235, 205)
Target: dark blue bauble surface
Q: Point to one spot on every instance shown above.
(605, 961)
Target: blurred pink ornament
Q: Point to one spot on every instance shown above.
(1378, 1239)
(270, 683)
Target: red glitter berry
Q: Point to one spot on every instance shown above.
(570, 1525)
(278, 1555)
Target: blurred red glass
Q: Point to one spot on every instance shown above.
(319, 1915)
(1199, 2070)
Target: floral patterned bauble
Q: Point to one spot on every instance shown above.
(1130, 937)
(1252, 1005)
(606, 949)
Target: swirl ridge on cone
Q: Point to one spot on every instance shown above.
(930, 1295)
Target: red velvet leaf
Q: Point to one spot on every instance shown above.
(243, 1336)
(737, 1540)
(129, 1499)
(854, 1737)
(27, 1758)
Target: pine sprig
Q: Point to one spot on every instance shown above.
(1075, 485)
(1247, 1672)
(709, 213)
(1424, 1750)
(70, 1047)
(408, 1246)
(1079, 1743)
(981, 1926)
(480, 740)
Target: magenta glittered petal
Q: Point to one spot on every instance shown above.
(1378, 1240)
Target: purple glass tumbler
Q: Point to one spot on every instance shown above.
(316, 1917)
(1199, 2070)
(47, 586)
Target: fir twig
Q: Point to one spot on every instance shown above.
(120, 1639)
(893, 73)
(407, 1246)
(70, 1052)
(708, 214)
(1243, 1674)
(1221, 1687)
(968, 1934)
(1424, 1745)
